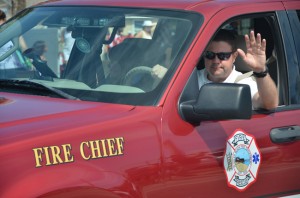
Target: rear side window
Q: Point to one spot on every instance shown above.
(296, 27)
(294, 20)
(297, 43)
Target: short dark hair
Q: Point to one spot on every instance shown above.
(228, 36)
(39, 47)
(2, 15)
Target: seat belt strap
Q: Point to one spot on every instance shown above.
(243, 76)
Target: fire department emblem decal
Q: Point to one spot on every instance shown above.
(241, 160)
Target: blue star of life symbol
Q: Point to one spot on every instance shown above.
(255, 158)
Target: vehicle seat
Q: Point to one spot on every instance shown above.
(87, 66)
(240, 65)
(130, 53)
(135, 52)
(272, 66)
(271, 61)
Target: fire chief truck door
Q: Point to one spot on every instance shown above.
(254, 157)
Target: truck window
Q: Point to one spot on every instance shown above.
(267, 26)
(296, 32)
(291, 37)
(98, 54)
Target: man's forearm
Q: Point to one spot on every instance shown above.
(268, 94)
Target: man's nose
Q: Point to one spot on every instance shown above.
(216, 59)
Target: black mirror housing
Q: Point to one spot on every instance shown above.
(218, 101)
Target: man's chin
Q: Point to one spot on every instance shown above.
(217, 75)
(216, 72)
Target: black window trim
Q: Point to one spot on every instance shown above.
(294, 19)
(291, 60)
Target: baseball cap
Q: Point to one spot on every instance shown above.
(148, 23)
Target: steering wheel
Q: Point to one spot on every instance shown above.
(135, 77)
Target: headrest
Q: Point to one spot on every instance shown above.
(148, 23)
(240, 65)
(129, 48)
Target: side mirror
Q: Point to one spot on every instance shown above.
(218, 101)
(14, 47)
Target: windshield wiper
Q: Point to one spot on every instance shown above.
(27, 86)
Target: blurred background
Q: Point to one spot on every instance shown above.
(12, 7)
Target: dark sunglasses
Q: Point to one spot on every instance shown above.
(221, 55)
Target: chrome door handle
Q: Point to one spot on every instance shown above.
(285, 134)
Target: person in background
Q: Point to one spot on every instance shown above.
(119, 38)
(146, 32)
(67, 41)
(39, 49)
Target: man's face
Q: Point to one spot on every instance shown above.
(148, 29)
(218, 70)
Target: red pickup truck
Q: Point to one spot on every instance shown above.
(86, 117)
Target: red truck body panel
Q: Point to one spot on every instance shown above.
(61, 148)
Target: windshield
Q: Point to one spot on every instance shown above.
(96, 54)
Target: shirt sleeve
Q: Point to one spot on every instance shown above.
(252, 83)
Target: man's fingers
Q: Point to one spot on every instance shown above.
(258, 41)
(256, 47)
(255, 44)
(252, 39)
(241, 53)
(247, 40)
(264, 45)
